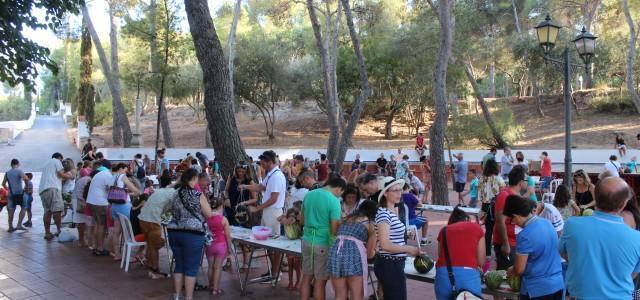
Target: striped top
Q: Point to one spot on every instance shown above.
(396, 230)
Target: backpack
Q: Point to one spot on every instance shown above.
(140, 172)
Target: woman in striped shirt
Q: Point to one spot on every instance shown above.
(389, 264)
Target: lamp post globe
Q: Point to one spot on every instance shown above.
(586, 45)
(547, 32)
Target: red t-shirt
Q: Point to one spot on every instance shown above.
(545, 169)
(420, 141)
(462, 241)
(511, 228)
(323, 171)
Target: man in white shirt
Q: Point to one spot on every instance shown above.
(51, 193)
(97, 201)
(551, 213)
(274, 188)
(506, 163)
(613, 166)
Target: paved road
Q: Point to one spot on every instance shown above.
(34, 146)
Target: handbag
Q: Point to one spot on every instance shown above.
(456, 294)
(117, 195)
(208, 235)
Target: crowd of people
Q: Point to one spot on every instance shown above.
(348, 221)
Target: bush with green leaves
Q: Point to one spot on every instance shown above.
(14, 108)
(472, 129)
(613, 104)
(103, 113)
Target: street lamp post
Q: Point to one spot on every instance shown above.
(585, 44)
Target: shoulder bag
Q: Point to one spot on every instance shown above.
(208, 235)
(456, 294)
(117, 195)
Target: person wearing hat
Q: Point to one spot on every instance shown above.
(389, 265)
(460, 175)
(274, 189)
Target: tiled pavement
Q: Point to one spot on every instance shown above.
(32, 268)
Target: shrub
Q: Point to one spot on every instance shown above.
(613, 104)
(103, 113)
(468, 128)
(13, 108)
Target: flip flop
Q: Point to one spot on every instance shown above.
(48, 236)
(199, 287)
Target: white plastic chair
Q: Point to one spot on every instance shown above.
(554, 185)
(548, 197)
(409, 228)
(165, 235)
(129, 241)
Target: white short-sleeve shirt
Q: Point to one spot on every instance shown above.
(50, 177)
(552, 214)
(275, 182)
(99, 187)
(613, 167)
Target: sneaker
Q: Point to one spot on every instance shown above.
(154, 276)
(27, 224)
(269, 279)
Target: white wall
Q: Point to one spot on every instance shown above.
(19, 126)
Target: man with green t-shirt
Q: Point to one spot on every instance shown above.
(320, 217)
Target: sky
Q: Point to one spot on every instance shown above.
(100, 19)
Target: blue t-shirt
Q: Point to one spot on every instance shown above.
(473, 189)
(543, 273)
(461, 170)
(602, 252)
(14, 179)
(412, 202)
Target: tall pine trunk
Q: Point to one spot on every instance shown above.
(156, 68)
(499, 140)
(121, 130)
(633, 38)
(437, 132)
(231, 48)
(217, 93)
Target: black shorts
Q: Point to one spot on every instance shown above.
(459, 187)
(502, 261)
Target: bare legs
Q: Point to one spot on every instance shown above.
(188, 282)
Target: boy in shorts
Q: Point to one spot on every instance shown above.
(28, 197)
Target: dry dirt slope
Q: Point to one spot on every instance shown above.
(305, 126)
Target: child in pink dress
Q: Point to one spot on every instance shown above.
(220, 247)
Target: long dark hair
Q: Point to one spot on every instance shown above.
(366, 209)
(632, 207)
(562, 197)
(458, 215)
(187, 176)
(490, 168)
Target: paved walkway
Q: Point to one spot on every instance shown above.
(34, 146)
(32, 268)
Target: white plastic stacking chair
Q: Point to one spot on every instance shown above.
(548, 197)
(409, 228)
(554, 185)
(129, 241)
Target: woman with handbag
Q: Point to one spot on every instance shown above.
(120, 201)
(461, 250)
(537, 257)
(490, 185)
(187, 232)
(78, 204)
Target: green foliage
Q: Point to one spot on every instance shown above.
(613, 104)
(103, 113)
(19, 56)
(473, 129)
(14, 108)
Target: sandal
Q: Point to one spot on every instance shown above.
(199, 287)
(48, 236)
(97, 252)
(227, 266)
(218, 292)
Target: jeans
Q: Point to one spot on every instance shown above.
(390, 273)
(466, 279)
(554, 296)
(187, 250)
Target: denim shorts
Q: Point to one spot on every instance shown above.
(466, 279)
(418, 222)
(124, 209)
(16, 200)
(187, 250)
(28, 201)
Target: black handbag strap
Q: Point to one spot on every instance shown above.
(447, 258)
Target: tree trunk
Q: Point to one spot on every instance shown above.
(207, 137)
(156, 68)
(217, 93)
(119, 114)
(231, 46)
(365, 92)
(590, 11)
(499, 140)
(119, 117)
(536, 92)
(516, 17)
(492, 79)
(330, 95)
(436, 134)
(85, 91)
(630, 56)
